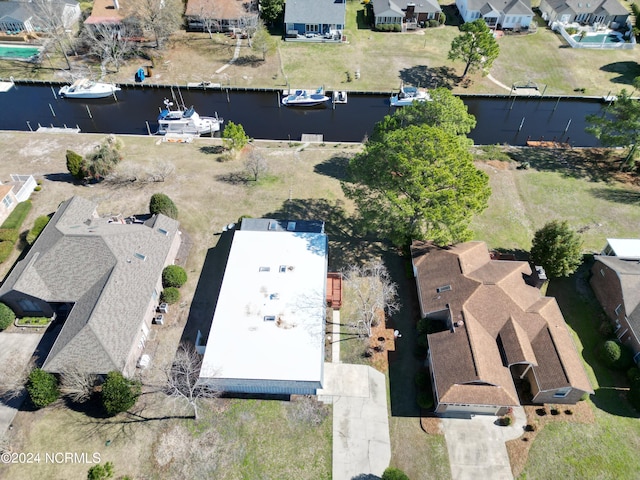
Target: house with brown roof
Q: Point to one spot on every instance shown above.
(105, 12)
(221, 15)
(615, 280)
(491, 329)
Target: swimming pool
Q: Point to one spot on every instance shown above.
(599, 38)
(18, 52)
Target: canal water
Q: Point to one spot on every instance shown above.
(510, 120)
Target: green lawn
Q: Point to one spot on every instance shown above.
(606, 449)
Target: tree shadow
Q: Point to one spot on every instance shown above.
(618, 195)
(591, 164)
(614, 401)
(334, 167)
(250, 60)
(366, 476)
(452, 15)
(212, 149)
(346, 246)
(362, 19)
(423, 76)
(626, 71)
(60, 177)
(234, 178)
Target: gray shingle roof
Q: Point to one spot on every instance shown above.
(85, 259)
(400, 6)
(315, 11)
(508, 7)
(607, 7)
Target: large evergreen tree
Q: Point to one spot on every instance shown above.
(417, 182)
(475, 46)
(557, 248)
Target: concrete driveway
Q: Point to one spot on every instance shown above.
(18, 347)
(361, 443)
(477, 447)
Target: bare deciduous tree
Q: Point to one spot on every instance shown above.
(111, 45)
(255, 164)
(50, 19)
(182, 378)
(14, 375)
(160, 17)
(76, 385)
(206, 15)
(374, 291)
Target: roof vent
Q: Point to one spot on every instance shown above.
(459, 323)
(269, 318)
(444, 288)
(273, 225)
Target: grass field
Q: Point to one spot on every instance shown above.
(384, 60)
(304, 183)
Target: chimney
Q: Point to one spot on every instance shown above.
(116, 5)
(537, 278)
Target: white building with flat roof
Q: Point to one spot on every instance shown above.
(267, 333)
(624, 248)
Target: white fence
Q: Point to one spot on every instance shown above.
(558, 27)
(28, 185)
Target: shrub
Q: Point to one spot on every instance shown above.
(38, 226)
(425, 400)
(37, 188)
(5, 250)
(16, 218)
(633, 374)
(505, 421)
(616, 355)
(234, 137)
(7, 316)
(100, 472)
(161, 203)
(173, 276)
(442, 18)
(170, 295)
(119, 394)
(423, 326)
(571, 30)
(434, 23)
(605, 329)
(9, 235)
(393, 473)
(42, 387)
(75, 164)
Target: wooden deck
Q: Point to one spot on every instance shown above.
(334, 290)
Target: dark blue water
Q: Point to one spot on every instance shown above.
(500, 120)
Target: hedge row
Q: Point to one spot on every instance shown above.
(10, 229)
(37, 228)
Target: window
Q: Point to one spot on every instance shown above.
(29, 306)
(8, 201)
(264, 269)
(618, 310)
(291, 226)
(273, 225)
(270, 318)
(562, 392)
(283, 269)
(140, 256)
(312, 28)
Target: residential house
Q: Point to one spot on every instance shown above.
(500, 14)
(406, 13)
(221, 15)
(589, 12)
(267, 332)
(615, 280)
(24, 16)
(17, 190)
(491, 329)
(321, 19)
(106, 12)
(104, 275)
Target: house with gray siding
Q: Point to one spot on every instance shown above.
(500, 14)
(588, 12)
(408, 14)
(267, 331)
(315, 19)
(104, 273)
(24, 16)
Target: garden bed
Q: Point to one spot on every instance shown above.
(33, 322)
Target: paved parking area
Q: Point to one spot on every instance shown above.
(477, 447)
(18, 347)
(361, 443)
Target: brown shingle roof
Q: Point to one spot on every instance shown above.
(504, 321)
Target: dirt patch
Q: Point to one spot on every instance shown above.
(518, 449)
(382, 341)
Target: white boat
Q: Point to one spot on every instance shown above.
(304, 98)
(185, 121)
(408, 95)
(339, 96)
(86, 88)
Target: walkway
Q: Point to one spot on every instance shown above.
(361, 443)
(477, 447)
(236, 54)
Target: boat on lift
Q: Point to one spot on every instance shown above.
(185, 121)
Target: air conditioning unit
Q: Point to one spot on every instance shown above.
(159, 320)
(163, 308)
